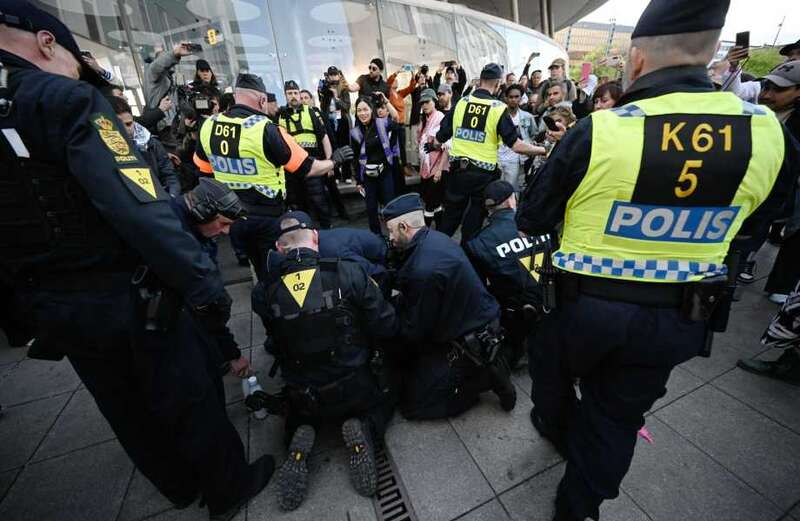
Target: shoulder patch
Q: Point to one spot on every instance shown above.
(140, 182)
(112, 138)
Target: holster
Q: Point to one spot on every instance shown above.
(156, 307)
(275, 404)
(481, 347)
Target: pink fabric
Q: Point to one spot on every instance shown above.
(430, 164)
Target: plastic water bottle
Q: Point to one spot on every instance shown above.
(253, 386)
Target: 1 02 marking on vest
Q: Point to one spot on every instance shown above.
(298, 284)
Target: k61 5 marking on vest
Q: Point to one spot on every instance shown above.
(693, 160)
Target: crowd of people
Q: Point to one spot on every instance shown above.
(563, 233)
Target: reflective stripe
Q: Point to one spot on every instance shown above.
(480, 164)
(263, 190)
(16, 143)
(671, 270)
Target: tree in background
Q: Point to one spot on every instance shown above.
(596, 57)
(762, 61)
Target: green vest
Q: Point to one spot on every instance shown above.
(669, 183)
(475, 134)
(235, 149)
(300, 127)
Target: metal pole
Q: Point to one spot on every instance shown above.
(137, 60)
(550, 23)
(380, 37)
(569, 38)
(543, 16)
(780, 26)
(515, 10)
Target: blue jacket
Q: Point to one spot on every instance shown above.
(505, 260)
(442, 296)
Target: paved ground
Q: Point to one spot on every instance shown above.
(727, 447)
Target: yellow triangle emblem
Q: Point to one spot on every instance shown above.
(142, 178)
(531, 267)
(298, 283)
(526, 262)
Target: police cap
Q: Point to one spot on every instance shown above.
(491, 71)
(304, 222)
(497, 192)
(402, 205)
(250, 81)
(21, 14)
(290, 85)
(662, 17)
(786, 49)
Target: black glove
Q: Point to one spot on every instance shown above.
(429, 147)
(340, 155)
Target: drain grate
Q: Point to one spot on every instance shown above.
(391, 499)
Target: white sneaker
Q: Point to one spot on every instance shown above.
(778, 298)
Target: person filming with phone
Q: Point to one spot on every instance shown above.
(159, 83)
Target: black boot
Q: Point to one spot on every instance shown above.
(500, 376)
(786, 368)
(260, 472)
(293, 474)
(363, 470)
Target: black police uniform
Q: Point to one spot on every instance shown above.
(508, 263)
(443, 301)
(463, 202)
(326, 318)
(80, 210)
(623, 352)
(310, 193)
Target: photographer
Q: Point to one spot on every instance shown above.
(371, 139)
(454, 76)
(159, 83)
(422, 81)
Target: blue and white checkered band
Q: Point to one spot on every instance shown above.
(672, 270)
(629, 111)
(253, 120)
(263, 190)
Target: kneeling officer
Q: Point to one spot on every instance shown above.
(513, 267)
(326, 316)
(447, 317)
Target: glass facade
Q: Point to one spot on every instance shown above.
(295, 39)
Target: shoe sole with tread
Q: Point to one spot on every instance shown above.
(293, 474)
(363, 471)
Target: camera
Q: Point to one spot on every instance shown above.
(424, 70)
(378, 99)
(199, 100)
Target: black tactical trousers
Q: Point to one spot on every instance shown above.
(436, 387)
(318, 202)
(257, 235)
(623, 354)
(161, 393)
(360, 397)
(463, 201)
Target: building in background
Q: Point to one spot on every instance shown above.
(582, 38)
(282, 40)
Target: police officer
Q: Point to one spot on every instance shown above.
(85, 211)
(326, 317)
(477, 125)
(356, 244)
(244, 149)
(448, 321)
(651, 194)
(511, 266)
(208, 211)
(306, 126)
